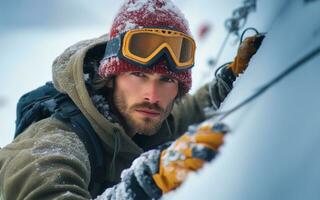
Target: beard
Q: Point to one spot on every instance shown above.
(145, 125)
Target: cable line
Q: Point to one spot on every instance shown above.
(233, 24)
(274, 81)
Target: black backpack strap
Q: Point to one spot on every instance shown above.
(72, 116)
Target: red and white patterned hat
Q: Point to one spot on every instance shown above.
(135, 14)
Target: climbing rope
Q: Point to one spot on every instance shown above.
(233, 25)
(239, 17)
(274, 81)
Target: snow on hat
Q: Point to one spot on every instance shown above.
(135, 14)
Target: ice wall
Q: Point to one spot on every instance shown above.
(273, 150)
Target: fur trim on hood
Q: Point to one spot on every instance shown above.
(72, 71)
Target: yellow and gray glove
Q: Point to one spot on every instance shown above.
(188, 153)
(157, 171)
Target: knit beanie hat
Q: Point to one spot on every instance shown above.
(135, 14)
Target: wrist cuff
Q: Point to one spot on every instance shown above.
(227, 75)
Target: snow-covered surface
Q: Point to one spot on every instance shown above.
(272, 152)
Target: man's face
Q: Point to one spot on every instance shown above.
(144, 100)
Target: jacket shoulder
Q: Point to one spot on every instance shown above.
(45, 156)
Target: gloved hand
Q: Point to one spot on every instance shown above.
(188, 153)
(246, 50)
(159, 171)
(136, 182)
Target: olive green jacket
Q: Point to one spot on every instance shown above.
(49, 161)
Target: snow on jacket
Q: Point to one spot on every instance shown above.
(49, 161)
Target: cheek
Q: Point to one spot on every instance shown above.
(169, 93)
(129, 90)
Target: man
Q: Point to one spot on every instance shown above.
(132, 87)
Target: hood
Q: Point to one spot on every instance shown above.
(69, 77)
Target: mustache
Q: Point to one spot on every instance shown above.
(148, 105)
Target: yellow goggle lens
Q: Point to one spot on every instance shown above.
(144, 45)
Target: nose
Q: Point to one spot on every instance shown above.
(152, 92)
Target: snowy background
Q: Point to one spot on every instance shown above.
(34, 32)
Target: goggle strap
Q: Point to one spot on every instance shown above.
(112, 48)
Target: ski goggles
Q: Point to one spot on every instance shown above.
(145, 46)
